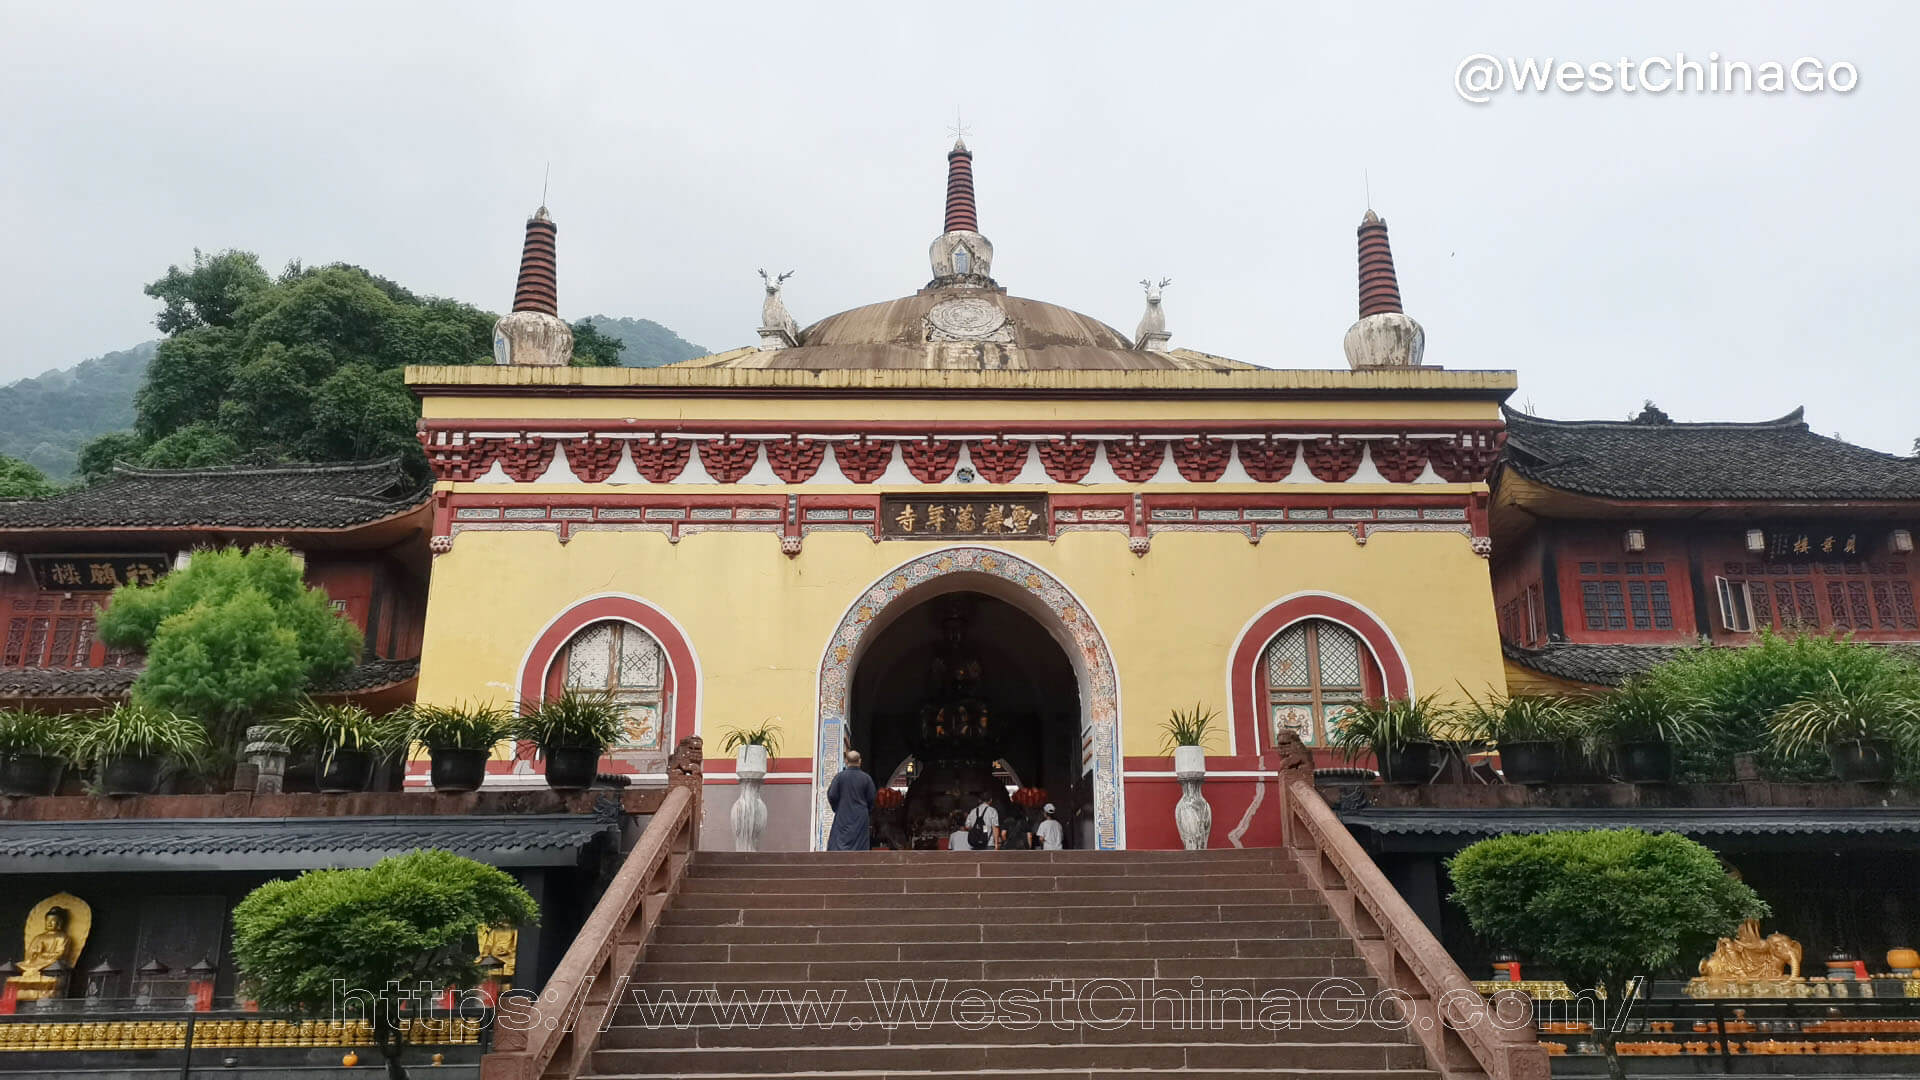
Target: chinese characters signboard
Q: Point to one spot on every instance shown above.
(1817, 542)
(966, 516)
(95, 573)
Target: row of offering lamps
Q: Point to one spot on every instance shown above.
(151, 983)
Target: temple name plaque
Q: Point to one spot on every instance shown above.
(971, 517)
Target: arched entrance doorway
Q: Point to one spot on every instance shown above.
(964, 693)
(900, 621)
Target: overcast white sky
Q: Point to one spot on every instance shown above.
(1730, 256)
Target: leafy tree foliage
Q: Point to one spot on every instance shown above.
(45, 420)
(591, 348)
(233, 633)
(1740, 689)
(408, 920)
(209, 293)
(1601, 906)
(96, 459)
(19, 480)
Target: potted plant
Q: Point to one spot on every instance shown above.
(1186, 737)
(348, 739)
(1863, 726)
(572, 731)
(755, 746)
(33, 747)
(132, 742)
(1397, 732)
(459, 740)
(1530, 731)
(1643, 725)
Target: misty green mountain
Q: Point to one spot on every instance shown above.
(45, 420)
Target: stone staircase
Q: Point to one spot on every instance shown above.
(1226, 959)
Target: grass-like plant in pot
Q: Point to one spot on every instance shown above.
(33, 748)
(1184, 734)
(1865, 727)
(133, 742)
(572, 730)
(459, 739)
(349, 742)
(1645, 725)
(1532, 733)
(754, 745)
(1398, 732)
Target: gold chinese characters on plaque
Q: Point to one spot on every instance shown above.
(95, 573)
(1004, 517)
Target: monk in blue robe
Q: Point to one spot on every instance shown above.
(851, 797)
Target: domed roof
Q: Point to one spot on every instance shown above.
(964, 328)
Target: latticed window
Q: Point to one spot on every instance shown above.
(1625, 595)
(626, 662)
(1316, 672)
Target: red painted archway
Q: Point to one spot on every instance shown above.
(682, 681)
(1243, 670)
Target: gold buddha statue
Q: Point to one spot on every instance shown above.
(1746, 956)
(502, 942)
(56, 931)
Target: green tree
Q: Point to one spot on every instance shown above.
(196, 446)
(406, 922)
(209, 293)
(232, 634)
(1601, 906)
(98, 457)
(591, 348)
(19, 480)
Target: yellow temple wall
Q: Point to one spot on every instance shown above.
(759, 622)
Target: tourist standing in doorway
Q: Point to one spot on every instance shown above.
(983, 825)
(1050, 833)
(851, 797)
(958, 841)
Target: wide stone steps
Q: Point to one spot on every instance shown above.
(792, 965)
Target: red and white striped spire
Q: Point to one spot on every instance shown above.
(1379, 286)
(1384, 336)
(538, 287)
(961, 213)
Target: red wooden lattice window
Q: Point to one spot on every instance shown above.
(1625, 595)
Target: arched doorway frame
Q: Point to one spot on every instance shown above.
(1036, 593)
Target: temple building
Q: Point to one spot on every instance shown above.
(359, 528)
(1617, 542)
(981, 538)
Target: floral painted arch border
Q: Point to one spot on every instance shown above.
(1092, 661)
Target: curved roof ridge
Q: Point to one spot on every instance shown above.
(303, 468)
(1796, 418)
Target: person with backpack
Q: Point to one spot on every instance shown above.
(1016, 835)
(983, 825)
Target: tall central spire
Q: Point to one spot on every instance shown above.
(533, 332)
(1379, 286)
(961, 215)
(961, 257)
(1384, 336)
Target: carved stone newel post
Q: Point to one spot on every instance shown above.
(268, 754)
(749, 809)
(1191, 815)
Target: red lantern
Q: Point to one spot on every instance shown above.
(1032, 798)
(889, 799)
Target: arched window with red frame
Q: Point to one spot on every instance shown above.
(1314, 672)
(627, 663)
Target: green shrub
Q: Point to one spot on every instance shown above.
(133, 729)
(405, 921)
(44, 734)
(1385, 725)
(1739, 691)
(577, 718)
(457, 726)
(233, 634)
(327, 728)
(763, 734)
(1187, 728)
(1500, 719)
(1601, 906)
(1883, 709)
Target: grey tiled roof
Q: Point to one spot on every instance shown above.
(1772, 459)
(290, 843)
(232, 497)
(1705, 822)
(110, 684)
(1605, 665)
